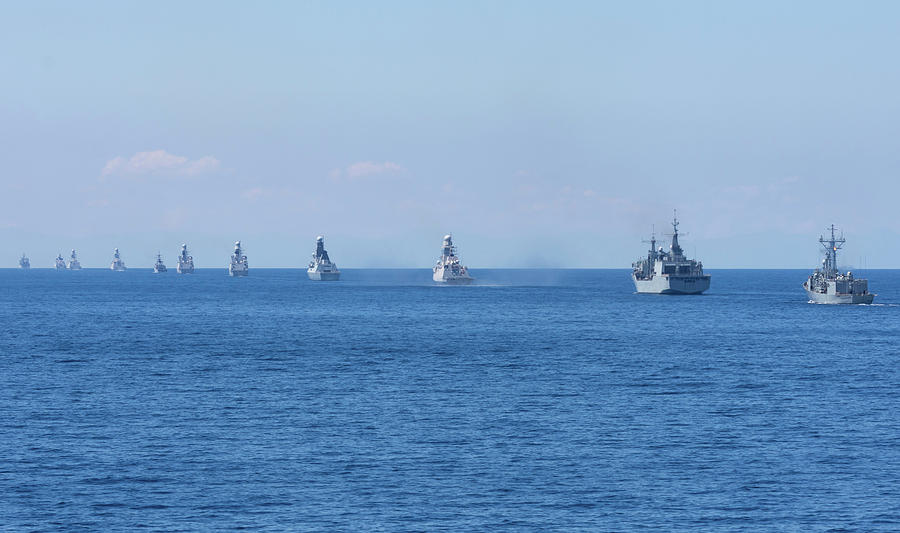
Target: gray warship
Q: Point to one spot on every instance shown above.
(448, 268)
(60, 262)
(185, 262)
(238, 265)
(669, 272)
(117, 264)
(74, 264)
(159, 267)
(321, 268)
(24, 263)
(830, 286)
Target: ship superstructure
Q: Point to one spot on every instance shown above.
(73, 262)
(117, 264)
(185, 261)
(448, 269)
(321, 268)
(238, 265)
(60, 262)
(669, 272)
(24, 262)
(827, 285)
(159, 266)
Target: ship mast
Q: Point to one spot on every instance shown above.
(676, 248)
(652, 254)
(831, 245)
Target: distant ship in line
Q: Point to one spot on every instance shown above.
(829, 286)
(321, 268)
(24, 263)
(669, 272)
(117, 264)
(185, 261)
(73, 262)
(60, 262)
(448, 269)
(159, 266)
(238, 266)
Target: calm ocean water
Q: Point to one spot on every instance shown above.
(535, 400)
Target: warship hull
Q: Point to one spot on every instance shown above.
(456, 281)
(439, 277)
(820, 298)
(185, 269)
(159, 269)
(323, 276)
(671, 285)
(237, 272)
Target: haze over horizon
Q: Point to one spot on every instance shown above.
(540, 135)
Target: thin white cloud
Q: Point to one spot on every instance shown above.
(159, 162)
(253, 194)
(364, 169)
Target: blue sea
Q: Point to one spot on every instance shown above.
(534, 400)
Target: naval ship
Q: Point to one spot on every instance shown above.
(829, 286)
(185, 262)
(24, 263)
(73, 262)
(117, 264)
(238, 266)
(321, 268)
(159, 266)
(60, 262)
(448, 269)
(669, 272)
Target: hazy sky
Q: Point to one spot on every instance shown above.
(540, 134)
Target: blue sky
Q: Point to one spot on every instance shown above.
(540, 134)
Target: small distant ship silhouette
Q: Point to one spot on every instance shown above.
(185, 261)
(117, 264)
(24, 262)
(321, 268)
(60, 262)
(73, 262)
(448, 269)
(238, 266)
(159, 266)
